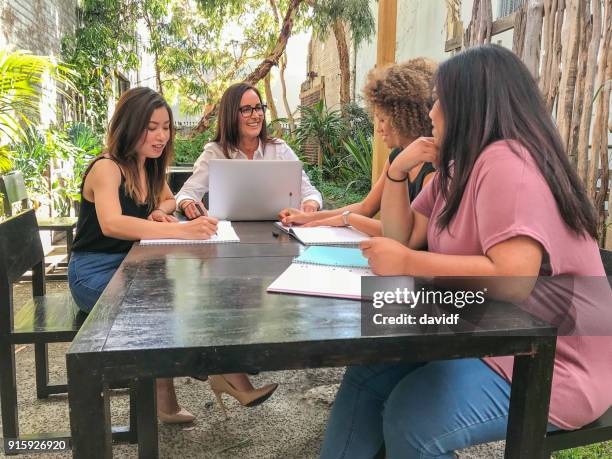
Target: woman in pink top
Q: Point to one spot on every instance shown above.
(505, 202)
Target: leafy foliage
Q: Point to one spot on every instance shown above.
(188, 149)
(356, 13)
(22, 75)
(35, 156)
(327, 128)
(358, 163)
(104, 42)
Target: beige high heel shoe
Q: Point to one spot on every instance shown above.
(220, 385)
(180, 417)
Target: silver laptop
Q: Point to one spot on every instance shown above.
(242, 189)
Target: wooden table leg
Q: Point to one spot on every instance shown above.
(146, 408)
(89, 410)
(529, 401)
(8, 391)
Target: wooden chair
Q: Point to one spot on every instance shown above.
(45, 319)
(12, 186)
(595, 432)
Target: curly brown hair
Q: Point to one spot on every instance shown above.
(403, 92)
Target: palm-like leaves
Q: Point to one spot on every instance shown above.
(325, 126)
(22, 76)
(358, 162)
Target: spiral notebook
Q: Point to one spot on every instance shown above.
(325, 235)
(334, 272)
(333, 256)
(225, 234)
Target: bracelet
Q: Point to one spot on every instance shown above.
(394, 180)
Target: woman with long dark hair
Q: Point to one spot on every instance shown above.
(241, 134)
(125, 198)
(505, 202)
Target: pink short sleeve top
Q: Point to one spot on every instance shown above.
(507, 196)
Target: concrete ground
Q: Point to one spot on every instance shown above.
(289, 425)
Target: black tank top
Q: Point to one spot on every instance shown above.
(414, 186)
(89, 236)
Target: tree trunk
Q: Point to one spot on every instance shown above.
(587, 100)
(533, 32)
(264, 67)
(600, 123)
(584, 32)
(569, 65)
(344, 62)
(283, 66)
(479, 30)
(518, 37)
(554, 63)
(604, 193)
(270, 99)
(547, 38)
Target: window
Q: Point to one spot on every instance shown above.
(122, 84)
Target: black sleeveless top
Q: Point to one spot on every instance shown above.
(89, 236)
(414, 186)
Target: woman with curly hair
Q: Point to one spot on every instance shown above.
(400, 95)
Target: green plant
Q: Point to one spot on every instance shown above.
(53, 163)
(357, 164)
(22, 76)
(188, 149)
(359, 120)
(327, 128)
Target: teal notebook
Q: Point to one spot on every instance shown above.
(333, 256)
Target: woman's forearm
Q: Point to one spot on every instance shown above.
(167, 206)
(396, 214)
(367, 225)
(469, 273)
(134, 229)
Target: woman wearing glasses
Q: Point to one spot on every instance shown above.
(241, 134)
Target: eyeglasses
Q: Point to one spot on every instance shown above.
(247, 110)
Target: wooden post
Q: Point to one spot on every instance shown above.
(385, 54)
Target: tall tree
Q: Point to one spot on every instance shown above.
(267, 62)
(333, 15)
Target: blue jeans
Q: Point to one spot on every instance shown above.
(422, 410)
(88, 275)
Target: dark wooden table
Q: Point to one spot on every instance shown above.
(183, 310)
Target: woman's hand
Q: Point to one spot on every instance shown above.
(310, 206)
(199, 228)
(385, 256)
(159, 215)
(422, 150)
(291, 216)
(336, 220)
(193, 209)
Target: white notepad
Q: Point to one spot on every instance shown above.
(225, 234)
(325, 235)
(318, 280)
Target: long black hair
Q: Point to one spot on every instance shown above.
(487, 94)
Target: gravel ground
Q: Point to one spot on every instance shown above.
(289, 425)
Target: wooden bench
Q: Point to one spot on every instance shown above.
(597, 431)
(12, 187)
(44, 319)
